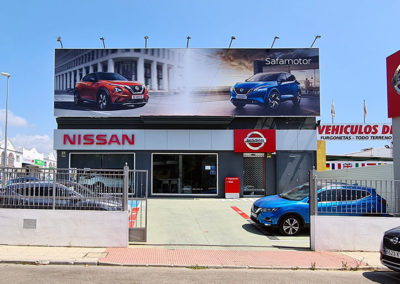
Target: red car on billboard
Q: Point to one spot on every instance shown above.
(107, 89)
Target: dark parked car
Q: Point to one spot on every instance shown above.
(390, 249)
(290, 211)
(266, 89)
(106, 89)
(40, 195)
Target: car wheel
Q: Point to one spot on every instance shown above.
(290, 225)
(238, 105)
(103, 101)
(297, 98)
(274, 100)
(77, 98)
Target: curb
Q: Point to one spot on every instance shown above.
(194, 267)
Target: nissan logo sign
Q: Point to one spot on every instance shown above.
(255, 140)
(396, 80)
(395, 240)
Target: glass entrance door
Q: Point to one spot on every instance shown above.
(254, 174)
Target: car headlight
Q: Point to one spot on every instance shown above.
(269, 209)
(262, 88)
(233, 89)
(117, 90)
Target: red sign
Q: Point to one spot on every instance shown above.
(255, 140)
(393, 84)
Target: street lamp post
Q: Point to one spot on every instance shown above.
(145, 41)
(315, 39)
(232, 39)
(187, 41)
(273, 42)
(59, 40)
(102, 39)
(5, 130)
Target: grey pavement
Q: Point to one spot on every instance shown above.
(105, 274)
(212, 222)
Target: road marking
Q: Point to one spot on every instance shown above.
(240, 212)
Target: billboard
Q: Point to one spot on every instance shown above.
(393, 84)
(186, 82)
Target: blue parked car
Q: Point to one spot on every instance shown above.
(290, 211)
(266, 89)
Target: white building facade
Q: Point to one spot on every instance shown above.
(18, 157)
(158, 69)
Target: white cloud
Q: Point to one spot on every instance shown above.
(42, 143)
(13, 120)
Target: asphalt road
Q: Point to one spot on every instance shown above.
(12, 273)
(163, 103)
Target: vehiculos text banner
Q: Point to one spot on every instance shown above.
(186, 82)
(348, 132)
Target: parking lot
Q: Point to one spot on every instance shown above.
(212, 222)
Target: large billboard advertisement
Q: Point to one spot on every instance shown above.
(186, 82)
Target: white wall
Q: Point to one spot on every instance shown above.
(382, 172)
(345, 233)
(64, 228)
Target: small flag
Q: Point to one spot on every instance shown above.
(333, 110)
(365, 110)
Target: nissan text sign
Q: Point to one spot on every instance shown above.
(255, 140)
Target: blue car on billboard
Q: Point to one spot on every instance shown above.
(290, 211)
(267, 89)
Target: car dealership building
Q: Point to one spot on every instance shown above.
(191, 155)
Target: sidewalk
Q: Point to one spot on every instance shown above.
(211, 258)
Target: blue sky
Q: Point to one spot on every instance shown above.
(357, 36)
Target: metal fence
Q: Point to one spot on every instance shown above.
(72, 189)
(137, 204)
(354, 197)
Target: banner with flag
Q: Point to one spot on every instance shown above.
(365, 110)
(333, 110)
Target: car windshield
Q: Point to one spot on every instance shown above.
(110, 76)
(298, 193)
(78, 188)
(264, 77)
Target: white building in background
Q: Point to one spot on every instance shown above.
(29, 158)
(50, 161)
(158, 68)
(14, 154)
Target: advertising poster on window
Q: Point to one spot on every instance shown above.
(186, 82)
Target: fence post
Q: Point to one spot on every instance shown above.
(313, 203)
(313, 193)
(54, 189)
(125, 188)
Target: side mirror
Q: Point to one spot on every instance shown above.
(280, 81)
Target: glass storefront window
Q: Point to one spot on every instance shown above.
(102, 161)
(185, 173)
